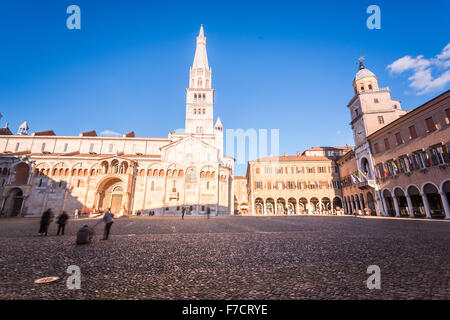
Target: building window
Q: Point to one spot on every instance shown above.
(386, 144)
(43, 147)
(398, 137)
(91, 147)
(412, 132)
(419, 160)
(321, 169)
(376, 146)
(380, 120)
(17, 147)
(356, 112)
(110, 148)
(447, 113)
(370, 87)
(66, 145)
(257, 170)
(268, 170)
(310, 169)
(430, 124)
(375, 100)
(258, 185)
(195, 111)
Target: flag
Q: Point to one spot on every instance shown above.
(362, 173)
(447, 150)
(428, 157)
(374, 173)
(353, 179)
(395, 166)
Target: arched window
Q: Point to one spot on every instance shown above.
(200, 83)
(207, 83)
(195, 96)
(203, 111)
(195, 111)
(152, 187)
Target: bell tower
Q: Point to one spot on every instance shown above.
(200, 95)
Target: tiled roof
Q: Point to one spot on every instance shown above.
(291, 158)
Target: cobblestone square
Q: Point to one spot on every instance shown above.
(301, 257)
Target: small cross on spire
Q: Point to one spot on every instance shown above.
(361, 59)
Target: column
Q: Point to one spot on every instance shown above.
(426, 204)
(410, 206)
(397, 210)
(446, 206)
(361, 206)
(352, 203)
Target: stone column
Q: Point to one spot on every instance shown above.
(446, 205)
(410, 206)
(426, 204)
(397, 210)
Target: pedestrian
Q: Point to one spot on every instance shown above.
(208, 211)
(183, 210)
(76, 213)
(84, 235)
(108, 219)
(46, 218)
(62, 220)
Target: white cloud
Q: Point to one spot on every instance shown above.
(422, 78)
(110, 133)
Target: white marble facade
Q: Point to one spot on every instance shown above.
(129, 174)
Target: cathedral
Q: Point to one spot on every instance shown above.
(131, 175)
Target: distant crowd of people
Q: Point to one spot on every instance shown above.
(84, 234)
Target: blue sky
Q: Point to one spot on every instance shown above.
(281, 64)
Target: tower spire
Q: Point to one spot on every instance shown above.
(201, 57)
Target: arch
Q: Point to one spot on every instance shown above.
(303, 205)
(315, 205)
(110, 194)
(292, 206)
(270, 206)
(399, 194)
(365, 167)
(371, 204)
(104, 166)
(281, 206)
(115, 166)
(416, 200)
(259, 206)
(431, 191)
(13, 202)
(337, 203)
(326, 205)
(389, 202)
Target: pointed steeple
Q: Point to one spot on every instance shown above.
(201, 57)
(218, 124)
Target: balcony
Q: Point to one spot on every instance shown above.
(370, 183)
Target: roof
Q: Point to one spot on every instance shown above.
(5, 132)
(364, 72)
(292, 158)
(91, 133)
(45, 133)
(240, 177)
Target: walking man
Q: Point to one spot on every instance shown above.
(108, 220)
(62, 220)
(208, 211)
(46, 218)
(76, 213)
(183, 210)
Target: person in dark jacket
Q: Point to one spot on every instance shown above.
(84, 235)
(183, 210)
(108, 219)
(46, 218)
(208, 212)
(62, 220)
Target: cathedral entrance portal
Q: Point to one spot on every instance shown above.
(110, 194)
(13, 203)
